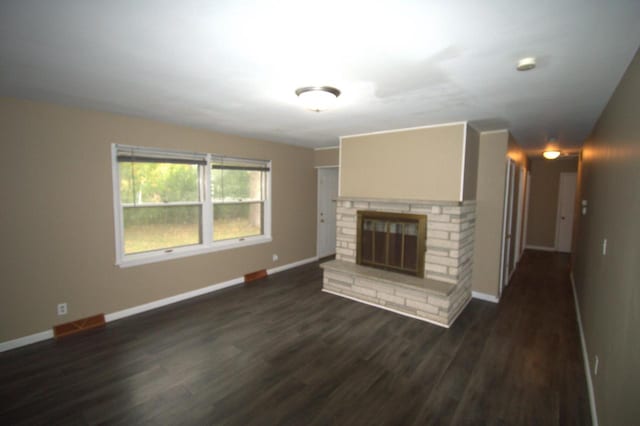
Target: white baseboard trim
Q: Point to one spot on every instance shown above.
(542, 248)
(114, 316)
(26, 340)
(484, 296)
(292, 265)
(585, 356)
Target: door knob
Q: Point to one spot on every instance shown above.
(321, 220)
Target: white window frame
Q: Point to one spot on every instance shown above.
(206, 228)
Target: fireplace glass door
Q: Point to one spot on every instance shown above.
(392, 241)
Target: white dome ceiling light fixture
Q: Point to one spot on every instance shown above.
(552, 151)
(526, 64)
(551, 154)
(318, 98)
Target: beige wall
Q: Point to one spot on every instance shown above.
(608, 287)
(58, 225)
(326, 157)
(543, 199)
(517, 155)
(418, 164)
(494, 149)
(471, 151)
(489, 210)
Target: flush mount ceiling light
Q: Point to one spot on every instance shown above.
(318, 98)
(526, 64)
(551, 154)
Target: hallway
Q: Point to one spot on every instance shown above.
(531, 370)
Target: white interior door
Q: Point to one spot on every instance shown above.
(507, 222)
(327, 197)
(566, 205)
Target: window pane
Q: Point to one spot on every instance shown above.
(236, 220)
(156, 228)
(236, 185)
(158, 182)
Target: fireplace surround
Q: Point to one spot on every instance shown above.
(445, 288)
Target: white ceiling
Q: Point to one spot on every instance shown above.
(233, 66)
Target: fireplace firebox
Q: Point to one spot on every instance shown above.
(392, 241)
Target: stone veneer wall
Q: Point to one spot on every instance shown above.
(450, 231)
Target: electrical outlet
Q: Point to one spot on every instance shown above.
(62, 309)
(595, 365)
(275, 257)
(604, 247)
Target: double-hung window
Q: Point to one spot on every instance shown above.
(238, 189)
(172, 204)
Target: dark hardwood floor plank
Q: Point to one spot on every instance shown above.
(278, 351)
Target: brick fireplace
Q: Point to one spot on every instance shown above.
(440, 292)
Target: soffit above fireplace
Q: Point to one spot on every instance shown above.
(425, 163)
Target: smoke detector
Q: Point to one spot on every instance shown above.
(526, 64)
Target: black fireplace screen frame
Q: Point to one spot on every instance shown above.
(389, 218)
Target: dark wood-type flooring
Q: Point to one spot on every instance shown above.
(280, 351)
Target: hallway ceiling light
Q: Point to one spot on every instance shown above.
(552, 150)
(318, 98)
(551, 154)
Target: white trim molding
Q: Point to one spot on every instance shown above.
(326, 148)
(484, 296)
(26, 340)
(489, 132)
(464, 159)
(406, 129)
(585, 355)
(181, 252)
(114, 316)
(292, 265)
(541, 248)
(340, 167)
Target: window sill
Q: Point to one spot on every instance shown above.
(177, 253)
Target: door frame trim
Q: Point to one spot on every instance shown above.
(318, 168)
(507, 209)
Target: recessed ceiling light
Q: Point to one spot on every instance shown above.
(318, 98)
(526, 64)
